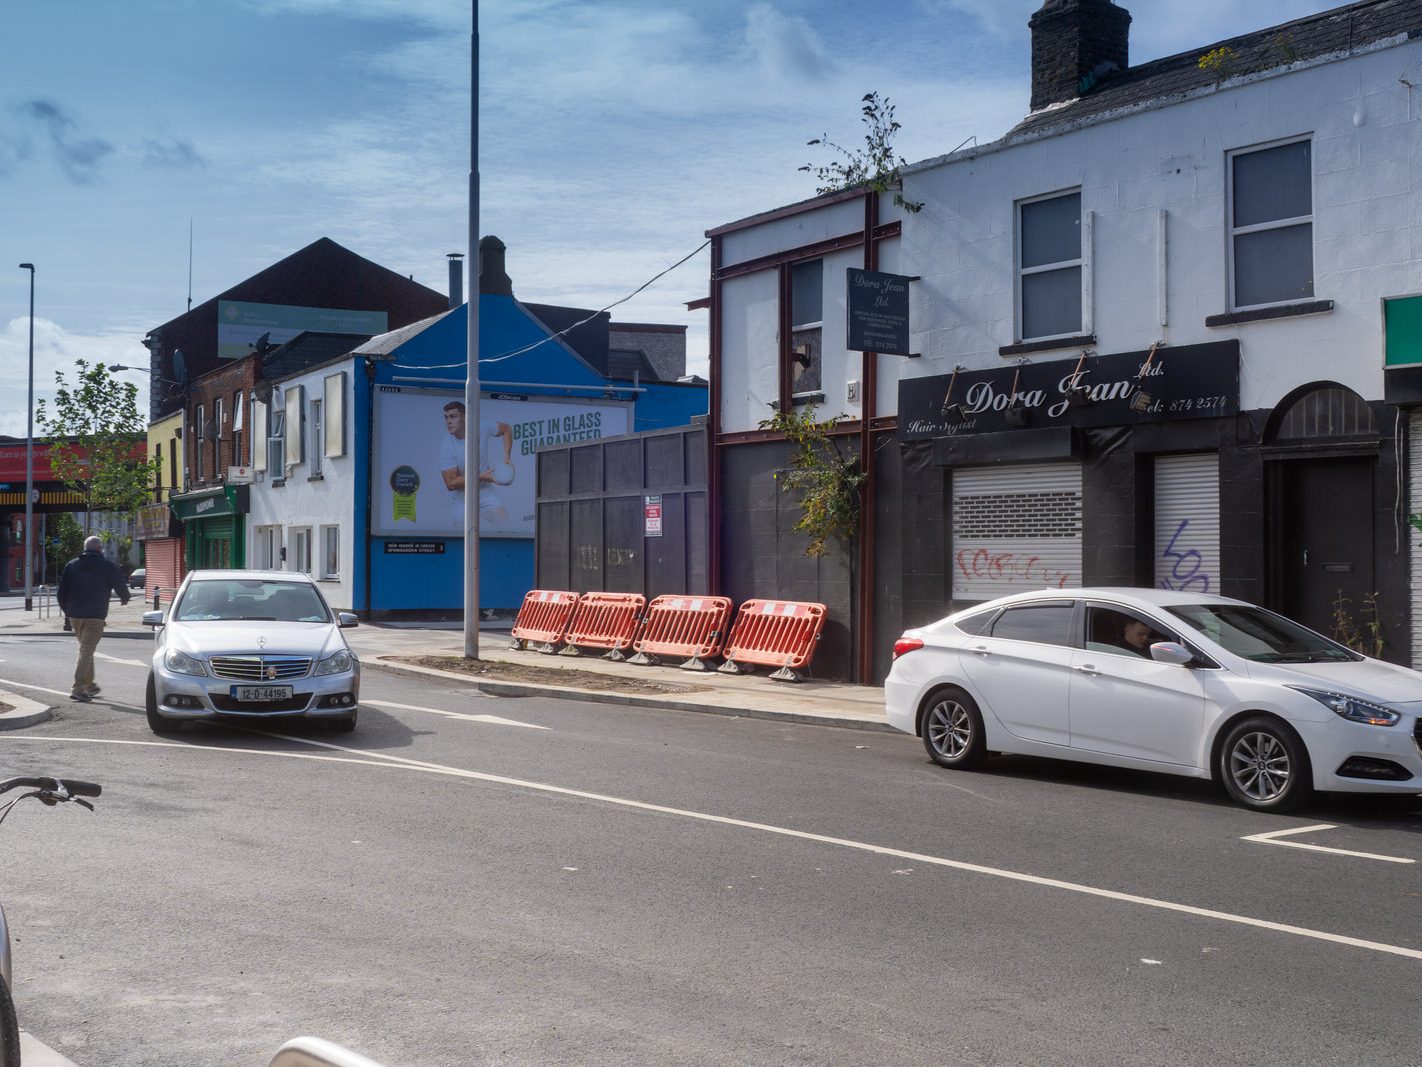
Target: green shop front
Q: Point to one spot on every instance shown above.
(214, 526)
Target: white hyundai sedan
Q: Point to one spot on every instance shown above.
(1159, 680)
(251, 645)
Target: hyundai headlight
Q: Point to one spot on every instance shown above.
(1352, 708)
(336, 663)
(179, 662)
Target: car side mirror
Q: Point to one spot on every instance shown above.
(347, 619)
(1171, 652)
(154, 618)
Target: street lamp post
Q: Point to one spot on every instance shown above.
(30, 457)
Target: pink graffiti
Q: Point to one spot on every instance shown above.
(990, 566)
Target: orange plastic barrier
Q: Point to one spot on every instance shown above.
(692, 627)
(605, 620)
(774, 633)
(543, 617)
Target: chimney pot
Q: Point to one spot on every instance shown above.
(492, 277)
(1072, 39)
(456, 278)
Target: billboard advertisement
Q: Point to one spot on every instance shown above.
(418, 477)
(240, 324)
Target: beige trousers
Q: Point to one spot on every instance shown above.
(88, 631)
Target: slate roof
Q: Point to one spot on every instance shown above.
(307, 349)
(1339, 30)
(583, 330)
(623, 363)
(385, 343)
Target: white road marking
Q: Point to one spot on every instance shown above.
(131, 662)
(495, 719)
(38, 688)
(1272, 838)
(377, 759)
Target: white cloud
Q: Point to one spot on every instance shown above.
(786, 46)
(1002, 18)
(57, 350)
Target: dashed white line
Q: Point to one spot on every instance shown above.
(117, 659)
(1272, 838)
(802, 835)
(495, 719)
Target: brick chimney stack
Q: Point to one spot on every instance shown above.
(1074, 38)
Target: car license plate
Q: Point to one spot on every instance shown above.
(257, 694)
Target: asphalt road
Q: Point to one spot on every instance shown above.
(469, 880)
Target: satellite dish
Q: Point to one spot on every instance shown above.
(180, 367)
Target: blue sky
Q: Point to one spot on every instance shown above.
(613, 133)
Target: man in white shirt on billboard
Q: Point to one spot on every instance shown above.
(492, 473)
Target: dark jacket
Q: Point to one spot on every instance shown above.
(85, 585)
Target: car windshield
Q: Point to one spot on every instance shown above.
(250, 600)
(1260, 635)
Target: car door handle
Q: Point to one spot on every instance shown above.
(1086, 668)
(982, 650)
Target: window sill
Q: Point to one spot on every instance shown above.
(1024, 348)
(1282, 311)
(316, 478)
(277, 483)
(816, 397)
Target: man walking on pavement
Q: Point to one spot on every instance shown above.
(83, 595)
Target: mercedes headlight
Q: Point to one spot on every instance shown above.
(336, 663)
(179, 662)
(1352, 708)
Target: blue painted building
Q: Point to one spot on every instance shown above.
(542, 385)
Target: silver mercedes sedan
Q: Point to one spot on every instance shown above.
(251, 645)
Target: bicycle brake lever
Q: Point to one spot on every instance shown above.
(82, 803)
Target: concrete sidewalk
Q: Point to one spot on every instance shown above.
(378, 646)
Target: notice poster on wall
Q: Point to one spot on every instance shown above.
(418, 477)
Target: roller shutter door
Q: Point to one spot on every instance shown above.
(1015, 529)
(163, 561)
(215, 538)
(1187, 522)
(1414, 538)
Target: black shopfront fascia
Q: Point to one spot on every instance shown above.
(1177, 384)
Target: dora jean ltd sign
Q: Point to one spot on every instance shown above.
(1190, 382)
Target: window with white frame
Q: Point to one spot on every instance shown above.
(276, 442)
(267, 554)
(330, 552)
(1050, 267)
(317, 443)
(1271, 224)
(237, 457)
(259, 435)
(199, 430)
(299, 558)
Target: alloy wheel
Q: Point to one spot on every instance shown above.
(950, 728)
(1260, 766)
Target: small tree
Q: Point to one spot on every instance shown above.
(875, 166)
(827, 480)
(64, 541)
(92, 431)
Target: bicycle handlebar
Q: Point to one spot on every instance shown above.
(73, 787)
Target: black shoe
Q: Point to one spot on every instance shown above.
(94, 690)
(82, 698)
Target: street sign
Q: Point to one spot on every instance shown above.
(652, 513)
(239, 475)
